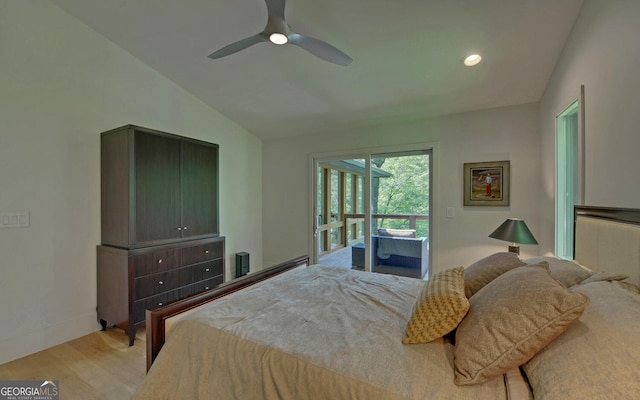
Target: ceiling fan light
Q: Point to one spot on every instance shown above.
(278, 38)
(472, 59)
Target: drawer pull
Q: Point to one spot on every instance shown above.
(206, 288)
(185, 228)
(160, 303)
(160, 261)
(206, 252)
(207, 270)
(179, 228)
(160, 282)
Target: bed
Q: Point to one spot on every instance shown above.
(500, 328)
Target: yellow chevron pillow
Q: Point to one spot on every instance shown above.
(439, 309)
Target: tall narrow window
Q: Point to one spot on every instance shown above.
(566, 178)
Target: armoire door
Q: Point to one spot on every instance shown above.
(199, 189)
(157, 183)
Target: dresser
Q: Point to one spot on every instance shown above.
(132, 281)
(159, 223)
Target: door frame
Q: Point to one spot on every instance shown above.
(365, 154)
(575, 105)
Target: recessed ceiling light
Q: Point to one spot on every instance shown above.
(278, 38)
(472, 59)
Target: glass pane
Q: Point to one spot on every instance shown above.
(336, 190)
(406, 191)
(321, 190)
(349, 195)
(360, 194)
(422, 228)
(321, 244)
(336, 237)
(400, 188)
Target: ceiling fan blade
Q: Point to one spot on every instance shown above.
(239, 45)
(276, 8)
(320, 49)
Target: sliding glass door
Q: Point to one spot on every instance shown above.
(372, 212)
(339, 206)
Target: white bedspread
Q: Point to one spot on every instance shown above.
(313, 333)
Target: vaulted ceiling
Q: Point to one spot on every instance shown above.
(406, 56)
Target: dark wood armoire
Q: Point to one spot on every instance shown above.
(160, 223)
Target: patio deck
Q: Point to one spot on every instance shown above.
(338, 258)
(342, 258)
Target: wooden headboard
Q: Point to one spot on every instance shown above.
(608, 239)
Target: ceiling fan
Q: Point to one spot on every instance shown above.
(279, 32)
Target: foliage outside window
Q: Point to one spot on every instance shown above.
(406, 192)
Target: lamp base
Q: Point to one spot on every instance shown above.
(514, 249)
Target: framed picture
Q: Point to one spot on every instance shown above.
(486, 183)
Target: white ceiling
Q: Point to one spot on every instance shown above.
(407, 56)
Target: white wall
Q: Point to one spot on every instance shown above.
(61, 84)
(509, 133)
(603, 52)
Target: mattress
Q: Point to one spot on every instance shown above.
(314, 332)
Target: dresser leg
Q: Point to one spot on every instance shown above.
(103, 323)
(132, 336)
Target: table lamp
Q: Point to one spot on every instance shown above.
(514, 230)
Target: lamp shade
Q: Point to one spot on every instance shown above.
(515, 231)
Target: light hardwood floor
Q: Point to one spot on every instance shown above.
(100, 365)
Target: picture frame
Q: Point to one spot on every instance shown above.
(487, 183)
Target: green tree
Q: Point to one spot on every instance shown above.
(406, 192)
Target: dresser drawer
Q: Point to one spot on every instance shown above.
(163, 282)
(207, 270)
(150, 263)
(208, 284)
(159, 300)
(204, 252)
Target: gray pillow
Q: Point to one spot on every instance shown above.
(568, 272)
(483, 271)
(510, 320)
(597, 357)
(604, 276)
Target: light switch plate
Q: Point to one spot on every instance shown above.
(14, 219)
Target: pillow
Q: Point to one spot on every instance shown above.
(568, 272)
(597, 357)
(627, 286)
(510, 320)
(439, 309)
(604, 276)
(487, 269)
(406, 233)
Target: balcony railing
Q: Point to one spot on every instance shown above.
(349, 230)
